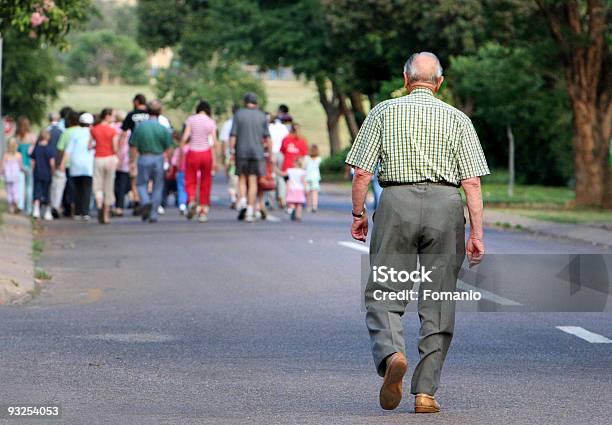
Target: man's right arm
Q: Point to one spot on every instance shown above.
(475, 245)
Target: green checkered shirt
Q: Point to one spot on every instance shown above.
(418, 138)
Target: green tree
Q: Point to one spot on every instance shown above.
(507, 92)
(221, 83)
(161, 23)
(27, 28)
(30, 82)
(107, 57)
(44, 20)
(583, 32)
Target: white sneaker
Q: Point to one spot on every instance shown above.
(36, 212)
(86, 217)
(250, 216)
(48, 216)
(161, 210)
(202, 218)
(182, 209)
(258, 215)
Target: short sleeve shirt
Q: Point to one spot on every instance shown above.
(134, 118)
(250, 127)
(202, 128)
(103, 134)
(42, 156)
(418, 138)
(81, 156)
(150, 137)
(292, 148)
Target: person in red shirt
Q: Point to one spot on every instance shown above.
(293, 147)
(105, 165)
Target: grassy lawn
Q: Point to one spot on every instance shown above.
(496, 193)
(301, 98)
(3, 204)
(570, 215)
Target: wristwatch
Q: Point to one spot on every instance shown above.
(360, 215)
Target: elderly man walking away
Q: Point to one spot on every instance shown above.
(247, 139)
(149, 143)
(425, 150)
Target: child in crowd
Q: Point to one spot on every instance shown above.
(313, 177)
(179, 160)
(12, 167)
(296, 190)
(43, 166)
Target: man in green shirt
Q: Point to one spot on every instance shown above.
(148, 145)
(424, 150)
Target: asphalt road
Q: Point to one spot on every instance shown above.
(235, 323)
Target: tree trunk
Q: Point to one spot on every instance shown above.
(510, 160)
(373, 100)
(358, 108)
(591, 161)
(580, 33)
(349, 116)
(332, 107)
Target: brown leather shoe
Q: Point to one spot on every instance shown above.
(391, 390)
(425, 403)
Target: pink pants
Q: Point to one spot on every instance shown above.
(12, 192)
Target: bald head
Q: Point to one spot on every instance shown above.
(423, 67)
(154, 108)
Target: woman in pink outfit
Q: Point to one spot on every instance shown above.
(200, 131)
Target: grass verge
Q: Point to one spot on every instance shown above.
(41, 274)
(570, 215)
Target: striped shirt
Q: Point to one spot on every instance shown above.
(202, 128)
(418, 138)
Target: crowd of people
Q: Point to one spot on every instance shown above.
(138, 161)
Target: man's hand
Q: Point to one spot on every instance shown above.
(475, 250)
(361, 181)
(359, 228)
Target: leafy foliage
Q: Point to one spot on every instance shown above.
(105, 56)
(508, 88)
(29, 77)
(43, 20)
(219, 82)
(161, 23)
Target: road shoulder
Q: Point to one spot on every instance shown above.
(17, 283)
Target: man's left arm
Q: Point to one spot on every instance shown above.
(471, 165)
(364, 157)
(361, 181)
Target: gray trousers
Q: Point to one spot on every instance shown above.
(150, 167)
(421, 223)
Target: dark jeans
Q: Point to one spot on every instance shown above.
(169, 188)
(68, 198)
(41, 191)
(82, 194)
(122, 187)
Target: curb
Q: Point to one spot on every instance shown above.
(17, 282)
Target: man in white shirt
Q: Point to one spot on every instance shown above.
(232, 178)
(278, 131)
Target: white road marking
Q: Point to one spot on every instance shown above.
(582, 333)
(272, 218)
(356, 246)
(130, 337)
(490, 296)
